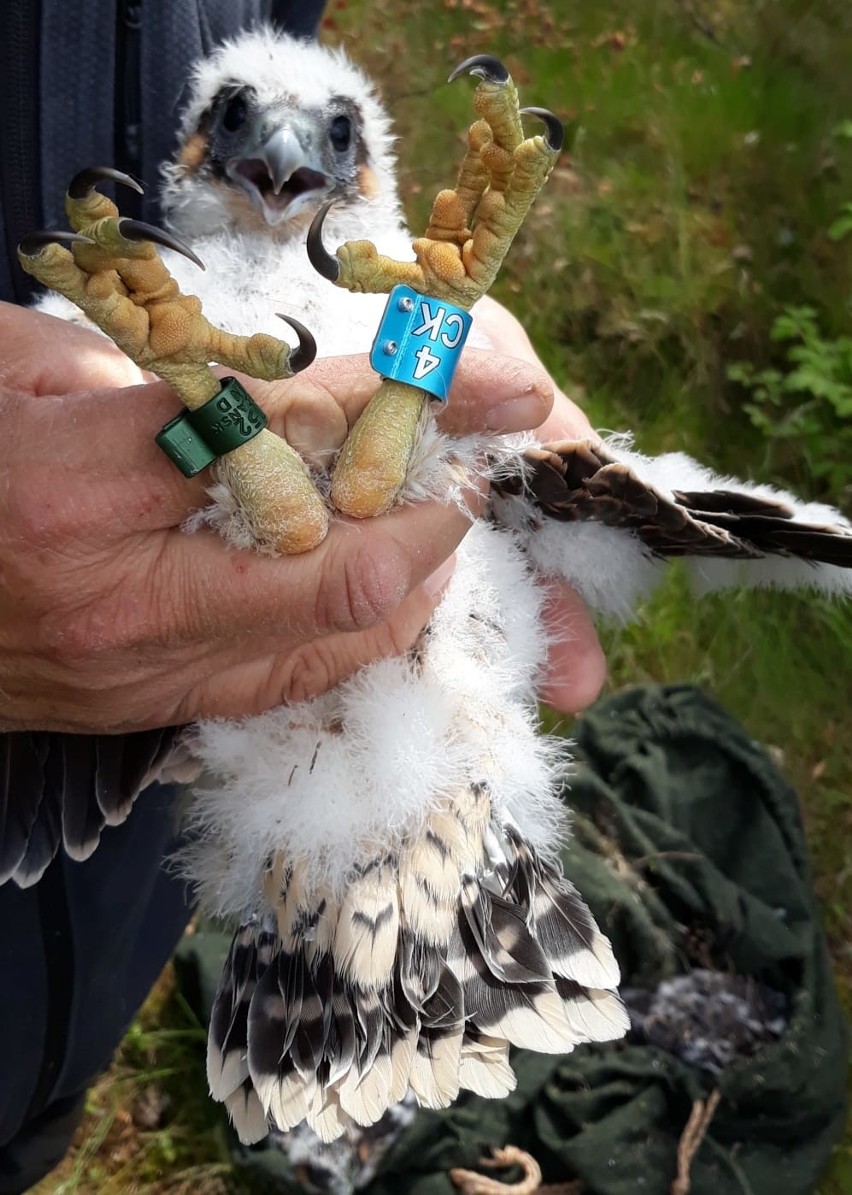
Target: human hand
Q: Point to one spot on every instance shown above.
(576, 666)
(112, 619)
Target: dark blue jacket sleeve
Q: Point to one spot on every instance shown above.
(96, 82)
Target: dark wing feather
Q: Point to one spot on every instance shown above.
(22, 781)
(64, 788)
(82, 816)
(576, 480)
(770, 526)
(42, 845)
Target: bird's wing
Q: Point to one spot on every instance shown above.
(64, 788)
(607, 519)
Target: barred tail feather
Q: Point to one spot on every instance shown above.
(336, 1036)
(484, 1066)
(247, 1114)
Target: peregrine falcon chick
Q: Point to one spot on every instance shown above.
(388, 851)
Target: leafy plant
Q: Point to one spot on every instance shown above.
(810, 400)
(842, 225)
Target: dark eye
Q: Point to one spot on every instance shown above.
(340, 133)
(236, 113)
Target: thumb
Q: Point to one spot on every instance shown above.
(248, 686)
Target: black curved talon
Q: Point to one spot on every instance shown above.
(485, 66)
(34, 241)
(136, 230)
(305, 354)
(318, 255)
(555, 128)
(85, 181)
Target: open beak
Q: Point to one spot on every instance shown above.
(281, 176)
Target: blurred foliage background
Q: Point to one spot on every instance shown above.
(687, 275)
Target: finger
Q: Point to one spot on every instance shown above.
(108, 439)
(43, 355)
(506, 335)
(108, 435)
(252, 675)
(490, 392)
(97, 449)
(565, 422)
(493, 392)
(245, 688)
(576, 665)
(315, 411)
(49, 356)
(353, 581)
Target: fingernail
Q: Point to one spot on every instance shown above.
(438, 581)
(524, 411)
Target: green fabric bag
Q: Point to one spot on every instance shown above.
(689, 848)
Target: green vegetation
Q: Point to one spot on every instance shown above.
(809, 404)
(687, 275)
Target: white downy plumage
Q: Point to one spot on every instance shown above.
(388, 849)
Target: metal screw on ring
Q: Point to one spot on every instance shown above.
(406, 304)
(389, 348)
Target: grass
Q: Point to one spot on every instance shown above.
(695, 204)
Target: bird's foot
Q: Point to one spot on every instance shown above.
(471, 226)
(109, 267)
(470, 230)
